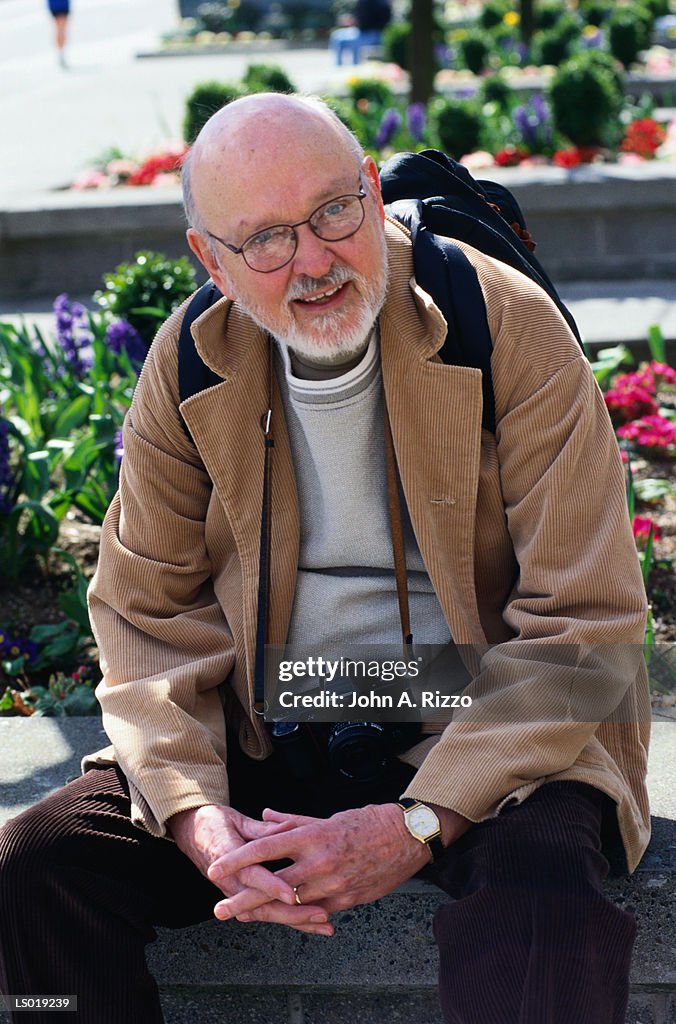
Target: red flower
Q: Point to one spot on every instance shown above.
(641, 526)
(575, 156)
(643, 137)
(159, 163)
(510, 156)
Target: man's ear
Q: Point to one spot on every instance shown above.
(370, 172)
(200, 246)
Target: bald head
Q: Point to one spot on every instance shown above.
(263, 132)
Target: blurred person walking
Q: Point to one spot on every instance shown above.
(60, 11)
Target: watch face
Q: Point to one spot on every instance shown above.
(422, 822)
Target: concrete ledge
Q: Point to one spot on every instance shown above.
(381, 966)
(594, 223)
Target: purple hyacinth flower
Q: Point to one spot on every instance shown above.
(119, 446)
(121, 335)
(7, 477)
(73, 334)
(388, 126)
(416, 118)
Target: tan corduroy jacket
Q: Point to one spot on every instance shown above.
(525, 535)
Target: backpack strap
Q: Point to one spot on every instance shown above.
(193, 373)
(446, 274)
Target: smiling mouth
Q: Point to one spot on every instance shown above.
(323, 297)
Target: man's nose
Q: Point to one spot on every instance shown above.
(313, 255)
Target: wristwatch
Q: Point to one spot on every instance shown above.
(423, 824)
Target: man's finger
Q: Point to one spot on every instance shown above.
(278, 913)
(270, 885)
(291, 820)
(282, 846)
(249, 828)
(250, 903)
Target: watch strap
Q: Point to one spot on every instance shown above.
(434, 843)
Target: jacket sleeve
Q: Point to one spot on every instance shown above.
(164, 643)
(577, 609)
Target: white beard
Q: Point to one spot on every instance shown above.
(336, 336)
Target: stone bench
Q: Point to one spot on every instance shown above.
(381, 965)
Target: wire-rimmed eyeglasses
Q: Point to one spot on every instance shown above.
(274, 247)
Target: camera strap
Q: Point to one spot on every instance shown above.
(264, 556)
(396, 531)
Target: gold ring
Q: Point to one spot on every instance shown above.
(299, 902)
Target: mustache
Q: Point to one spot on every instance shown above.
(305, 286)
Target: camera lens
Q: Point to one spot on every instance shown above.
(358, 750)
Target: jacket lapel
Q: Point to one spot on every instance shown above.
(435, 412)
(226, 424)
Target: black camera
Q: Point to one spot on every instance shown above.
(356, 751)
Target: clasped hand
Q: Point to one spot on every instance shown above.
(355, 856)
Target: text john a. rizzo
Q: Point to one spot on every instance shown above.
(373, 700)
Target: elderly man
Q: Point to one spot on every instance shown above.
(514, 542)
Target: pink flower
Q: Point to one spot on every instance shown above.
(121, 168)
(91, 179)
(641, 526)
(652, 432)
(477, 160)
(626, 403)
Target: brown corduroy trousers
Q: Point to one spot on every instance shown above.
(529, 938)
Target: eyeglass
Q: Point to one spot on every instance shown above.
(274, 247)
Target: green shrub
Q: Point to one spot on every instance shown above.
(586, 99)
(595, 12)
(205, 99)
(657, 8)
(492, 13)
(547, 15)
(457, 124)
(475, 50)
(147, 290)
(372, 90)
(350, 117)
(556, 44)
(214, 17)
(267, 78)
(395, 43)
(629, 31)
(226, 17)
(496, 90)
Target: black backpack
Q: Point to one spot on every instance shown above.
(438, 200)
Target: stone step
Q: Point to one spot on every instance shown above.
(381, 965)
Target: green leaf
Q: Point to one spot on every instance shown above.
(71, 602)
(631, 493)
(40, 634)
(7, 700)
(648, 555)
(81, 701)
(48, 706)
(15, 667)
(652, 490)
(657, 344)
(60, 646)
(72, 417)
